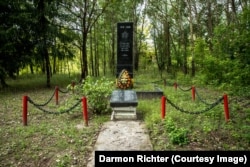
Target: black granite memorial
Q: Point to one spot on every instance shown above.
(123, 101)
(125, 48)
(123, 98)
(123, 104)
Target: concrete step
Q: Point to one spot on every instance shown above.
(123, 115)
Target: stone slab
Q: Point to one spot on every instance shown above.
(122, 136)
(149, 94)
(123, 113)
(123, 98)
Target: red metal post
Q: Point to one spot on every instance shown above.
(163, 107)
(25, 110)
(175, 86)
(56, 94)
(226, 109)
(193, 93)
(85, 110)
(73, 86)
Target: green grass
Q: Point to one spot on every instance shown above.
(63, 140)
(205, 131)
(48, 140)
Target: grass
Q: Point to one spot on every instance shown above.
(63, 140)
(48, 140)
(205, 131)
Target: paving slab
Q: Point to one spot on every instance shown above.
(123, 135)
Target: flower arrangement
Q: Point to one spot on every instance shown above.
(124, 81)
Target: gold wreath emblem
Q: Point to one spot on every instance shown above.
(124, 80)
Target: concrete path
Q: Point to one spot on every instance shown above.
(123, 135)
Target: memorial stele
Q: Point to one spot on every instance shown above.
(124, 70)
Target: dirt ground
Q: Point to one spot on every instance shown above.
(122, 135)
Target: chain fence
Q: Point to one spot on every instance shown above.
(40, 106)
(201, 99)
(182, 89)
(63, 91)
(47, 102)
(54, 112)
(166, 82)
(195, 112)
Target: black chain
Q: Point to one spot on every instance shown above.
(196, 112)
(54, 112)
(184, 90)
(201, 99)
(44, 104)
(63, 91)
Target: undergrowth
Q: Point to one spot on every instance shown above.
(205, 131)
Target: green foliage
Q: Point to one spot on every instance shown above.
(229, 65)
(15, 38)
(97, 91)
(169, 125)
(204, 131)
(179, 136)
(176, 135)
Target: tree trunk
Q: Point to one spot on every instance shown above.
(84, 69)
(43, 30)
(112, 60)
(104, 54)
(47, 66)
(31, 68)
(191, 39)
(91, 53)
(54, 64)
(210, 25)
(2, 81)
(167, 46)
(185, 67)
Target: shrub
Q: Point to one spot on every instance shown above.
(97, 92)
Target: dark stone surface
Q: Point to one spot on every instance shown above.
(125, 47)
(149, 94)
(123, 98)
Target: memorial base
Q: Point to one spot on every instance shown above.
(123, 113)
(123, 104)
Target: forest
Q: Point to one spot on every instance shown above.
(180, 48)
(207, 39)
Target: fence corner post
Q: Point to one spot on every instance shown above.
(175, 86)
(226, 109)
(73, 86)
(163, 107)
(25, 110)
(85, 110)
(193, 93)
(56, 94)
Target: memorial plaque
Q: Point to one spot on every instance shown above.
(123, 98)
(125, 47)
